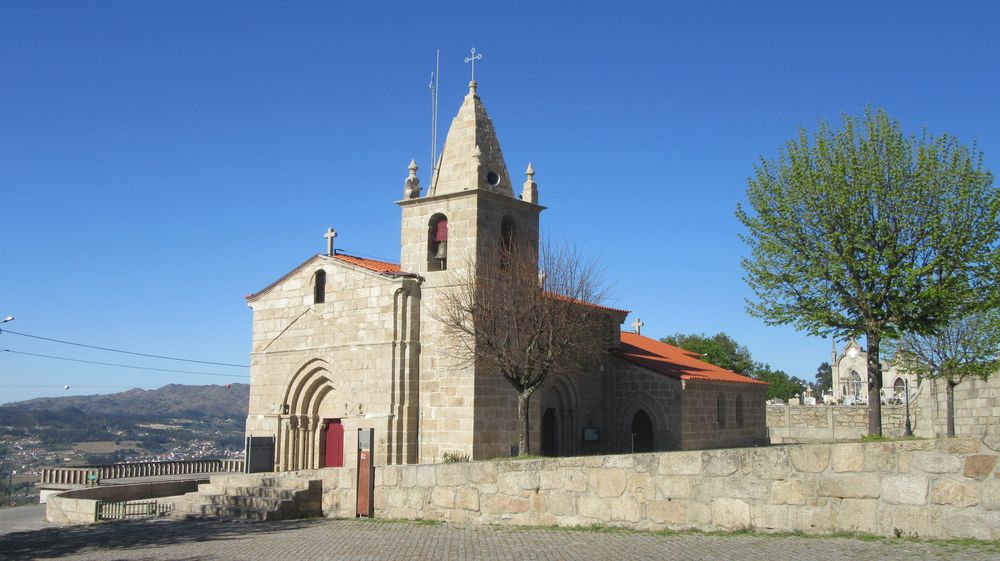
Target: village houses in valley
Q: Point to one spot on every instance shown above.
(344, 342)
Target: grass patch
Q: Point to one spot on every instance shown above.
(984, 545)
(425, 522)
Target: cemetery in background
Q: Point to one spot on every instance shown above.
(977, 411)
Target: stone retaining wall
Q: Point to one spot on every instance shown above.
(928, 488)
(78, 506)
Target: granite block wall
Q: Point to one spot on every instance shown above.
(946, 488)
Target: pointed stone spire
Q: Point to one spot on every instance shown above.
(471, 129)
(411, 187)
(530, 191)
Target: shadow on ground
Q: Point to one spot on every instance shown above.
(106, 538)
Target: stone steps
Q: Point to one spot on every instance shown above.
(252, 497)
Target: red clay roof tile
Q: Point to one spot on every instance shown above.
(675, 361)
(370, 264)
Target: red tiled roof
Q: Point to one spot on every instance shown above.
(370, 264)
(556, 296)
(675, 361)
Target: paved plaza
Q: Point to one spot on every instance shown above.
(370, 540)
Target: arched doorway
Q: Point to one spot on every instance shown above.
(855, 387)
(550, 442)
(642, 432)
(333, 444)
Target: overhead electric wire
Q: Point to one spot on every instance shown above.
(124, 352)
(128, 365)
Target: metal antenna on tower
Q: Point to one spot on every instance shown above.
(435, 80)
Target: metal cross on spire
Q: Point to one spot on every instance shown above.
(473, 58)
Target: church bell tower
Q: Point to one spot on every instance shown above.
(470, 200)
(469, 207)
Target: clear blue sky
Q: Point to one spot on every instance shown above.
(160, 160)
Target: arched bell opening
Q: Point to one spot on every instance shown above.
(437, 243)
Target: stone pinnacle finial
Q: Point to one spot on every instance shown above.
(472, 87)
(529, 192)
(411, 187)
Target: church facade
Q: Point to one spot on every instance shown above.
(343, 343)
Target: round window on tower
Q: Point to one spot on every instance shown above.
(492, 178)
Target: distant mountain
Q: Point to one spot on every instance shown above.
(171, 401)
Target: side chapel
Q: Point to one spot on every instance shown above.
(343, 342)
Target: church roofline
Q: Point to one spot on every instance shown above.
(556, 296)
(675, 362)
(384, 268)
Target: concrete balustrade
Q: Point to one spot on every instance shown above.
(89, 476)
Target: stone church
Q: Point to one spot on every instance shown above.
(343, 342)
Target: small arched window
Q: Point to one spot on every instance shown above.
(720, 410)
(437, 243)
(319, 287)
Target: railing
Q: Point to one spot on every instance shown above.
(118, 510)
(87, 476)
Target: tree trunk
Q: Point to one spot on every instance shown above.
(949, 392)
(874, 385)
(522, 417)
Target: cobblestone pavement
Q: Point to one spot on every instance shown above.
(353, 539)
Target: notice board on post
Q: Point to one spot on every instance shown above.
(366, 473)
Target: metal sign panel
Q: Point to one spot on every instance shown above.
(260, 454)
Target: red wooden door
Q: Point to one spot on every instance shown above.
(334, 444)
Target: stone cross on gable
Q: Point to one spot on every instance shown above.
(473, 60)
(637, 326)
(329, 235)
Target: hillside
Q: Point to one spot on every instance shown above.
(159, 405)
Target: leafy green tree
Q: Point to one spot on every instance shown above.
(719, 349)
(968, 347)
(868, 230)
(782, 386)
(824, 378)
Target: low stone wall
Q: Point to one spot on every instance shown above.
(77, 506)
(831, 423)
(948, 488)
(977, 409)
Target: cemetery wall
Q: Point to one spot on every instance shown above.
(977, 413)
(946, 488)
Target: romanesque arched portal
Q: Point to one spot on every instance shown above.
(302, 442)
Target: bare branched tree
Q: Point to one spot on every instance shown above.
(527, 315)
(965, 347)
